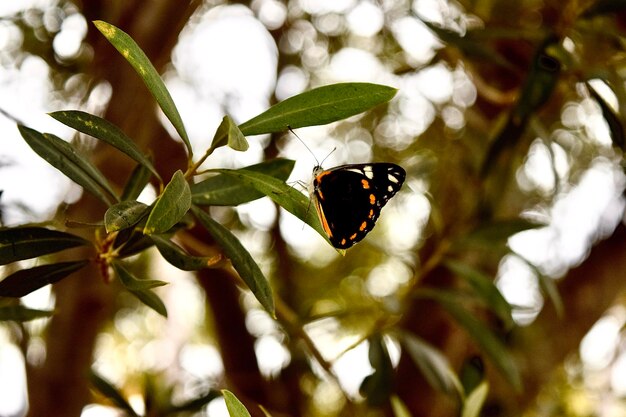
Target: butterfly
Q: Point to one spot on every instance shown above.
(349, 198)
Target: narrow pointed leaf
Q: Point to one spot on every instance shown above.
(399, 408)
(124, 215)
(140, 288)
(475, 400)
(319, 106)
(139, 178)
(177, 256)
(612, 119)
(485, 338)
(146, 71)
(105, 131)
(25, 281)
(485, 289)
(63, 157)
(497, 233)
(21, 243)
(433, 364)
(134, 243)
(224, 190)
(264, 411)
(133, 283)
(195, 404)
(241, 259)
(376, 387)
(234, 406)
(21, 313)
(472, 44)
(282, 194)
(601, 7)
(109, 391)
(229, 134)
(548, 285)
(171, 206)
(152, 300)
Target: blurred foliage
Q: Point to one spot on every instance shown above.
(518, 76)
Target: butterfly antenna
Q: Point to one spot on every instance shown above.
(329, 154)
(307, 148)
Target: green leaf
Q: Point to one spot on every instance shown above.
(146, 71)
(25, 281)
(398, 407)
(109, 391)
(21, 313)
(229, 134)
(484, 288)
(485, 338)
(224, 190)
(124, 215)
(152, 300)
(537, 89)
(140, 288)
(139, 178)
(548, 285)
(475, 401)
(63, 157)
(601, 7)
(105, 131)
(472, 44)
(133, 243)
(26, 242)
(497, 232)
(264, 411)
(472, 372)
(195, 404)
(133, 283)
(176, 256)
(241, 259)
(171, 206)
(377, 387)
(433, 365)
(282, 194)
(234, 406)
(319, 106)
(612, 120)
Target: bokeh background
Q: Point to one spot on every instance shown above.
(507, 120)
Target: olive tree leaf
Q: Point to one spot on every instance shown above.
(224, 190)
(229, 134)
(146, 71)
(21, 313)
(124, 215)
(282, 194)
(171, 205)
(241, 259)
(141, 288)
(177, 256)
(19, 243)
(234, 406)
(105, 131)
(64, 157)
(25, 281)
(319, 106)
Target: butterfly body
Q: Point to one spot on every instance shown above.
(349, 198)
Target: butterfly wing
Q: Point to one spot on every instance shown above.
(349, 198)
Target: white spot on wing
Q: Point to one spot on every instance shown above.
(392, 178)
